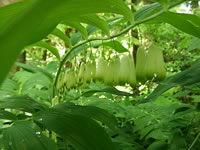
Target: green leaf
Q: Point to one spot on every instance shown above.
(158, 145)
(30, 21)
(185, 78)
(90, 112)
(164, 3)
(91, 29)
(34, 69)
(153, 9)
(187, 23)
(193, 44)
(147, 11)
(25, 135)
(9, 87)
(90, 19)
(44, 44)
(22, 103)
(62, 36)
(78, 27)
(107, 90)
(177, 140)
(36, 79)
(75, 38)
(7, 115)
(116, 45)
(76, 51)
(94, 20)
(82, 132)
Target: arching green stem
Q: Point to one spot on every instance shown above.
(102, 39)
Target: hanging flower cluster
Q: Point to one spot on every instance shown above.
(117, 71)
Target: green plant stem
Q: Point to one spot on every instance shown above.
(102, 39)
(195, 140)
(85, 42)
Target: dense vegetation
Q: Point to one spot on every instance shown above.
(99, 75)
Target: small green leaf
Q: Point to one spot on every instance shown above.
(62, 36)
(96, 21)
(78, 27)
(116, 45)
(44, 44)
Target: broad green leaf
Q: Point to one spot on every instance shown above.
(107, 90)
(147, 11)
(19, 28)
(187, 23)
(34, 69)
(82, 132)
(25, 135)
(45, 45)
(90, 112)
(188, 77)
(62, 36)
(30, 21)
(7, 115)
(22, 103)
(152, 9)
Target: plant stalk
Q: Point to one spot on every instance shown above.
(107, 38)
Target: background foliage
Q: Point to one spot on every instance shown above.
(49, 37)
